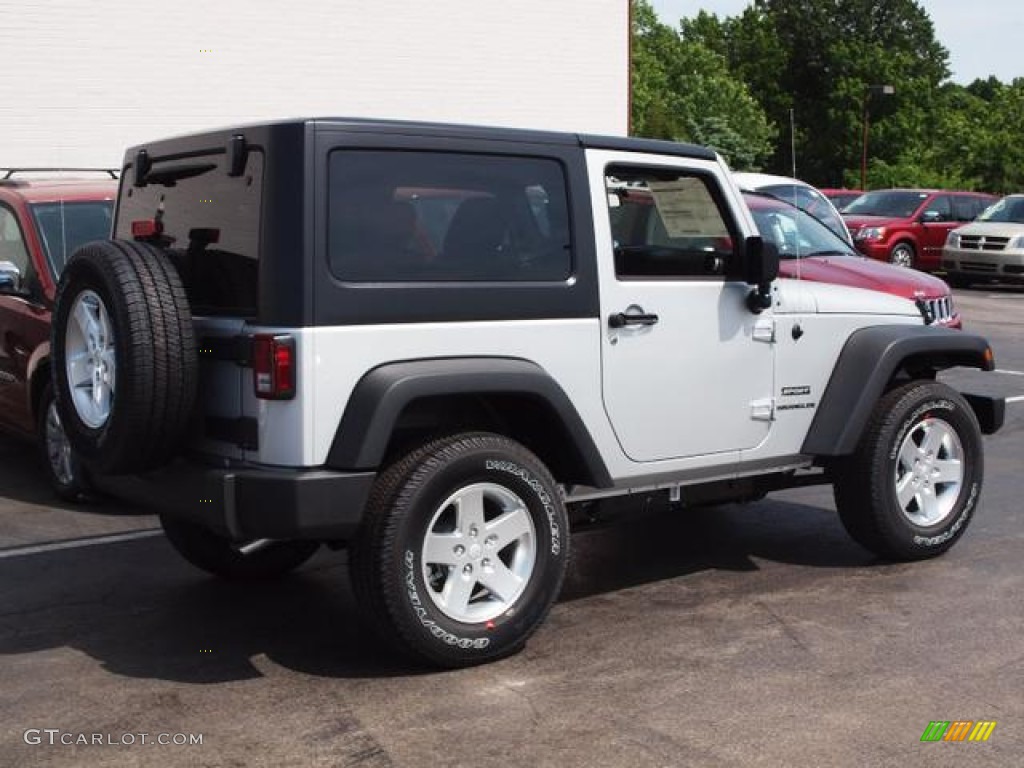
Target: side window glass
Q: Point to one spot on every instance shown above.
(668, 224)
(939, 209)
(966, 208)
(399, 216)
(12, 244)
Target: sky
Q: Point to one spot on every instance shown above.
(983, 37)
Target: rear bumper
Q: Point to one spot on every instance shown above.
(253, 503)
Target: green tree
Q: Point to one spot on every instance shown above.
(683, 91)
(818, 60)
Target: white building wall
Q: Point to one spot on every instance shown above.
(80, 81)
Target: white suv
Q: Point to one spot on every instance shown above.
(989, 248)
(431, 343)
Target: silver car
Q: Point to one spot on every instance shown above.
(989, 248)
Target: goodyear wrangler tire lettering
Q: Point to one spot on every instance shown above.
(462, 551)
(910, 490)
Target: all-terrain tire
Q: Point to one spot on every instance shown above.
(911, 489)
(122, 308)
(229, 560)
(462, 551)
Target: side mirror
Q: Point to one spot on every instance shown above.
(760, 268)
(10, 277)
(931, 217)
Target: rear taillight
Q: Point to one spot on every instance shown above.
(147, 229)
(273, 366)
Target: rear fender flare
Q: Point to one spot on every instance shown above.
(379, 398)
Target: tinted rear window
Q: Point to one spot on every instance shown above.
(397, 216)
(210, 225)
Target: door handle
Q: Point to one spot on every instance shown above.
(621, 319)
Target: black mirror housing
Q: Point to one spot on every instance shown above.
(760, 268)
(761, 261)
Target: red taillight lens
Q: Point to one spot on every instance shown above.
(144, 229)
(273, 366)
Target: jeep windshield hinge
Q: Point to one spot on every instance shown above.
(763, 409)
(764, 330)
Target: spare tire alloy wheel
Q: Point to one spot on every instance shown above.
(125, 361)
(912, 487)
(90, 360)
(463, 550)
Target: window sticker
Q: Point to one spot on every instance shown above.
(687, 209)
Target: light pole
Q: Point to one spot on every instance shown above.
(879, 90)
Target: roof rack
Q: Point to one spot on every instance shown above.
(11, 172)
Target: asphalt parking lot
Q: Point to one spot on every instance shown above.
(755, 635)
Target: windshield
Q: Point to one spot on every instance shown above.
(64, 227)
(895, 203)
(1009, 209)
(794, 232)
(810, 200)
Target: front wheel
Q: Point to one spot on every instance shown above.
(902, 255)
(235, 561)
(911, 488)
(68, 476)
(463, 549)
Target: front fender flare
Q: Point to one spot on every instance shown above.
(866, 365)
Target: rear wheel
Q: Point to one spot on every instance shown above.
(903, 255)
(463, 549)
(911, 488)
(236, 561)
(124, 356)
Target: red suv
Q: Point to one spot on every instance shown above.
(908, 227)
(42, 221)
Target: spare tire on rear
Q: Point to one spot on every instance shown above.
(125, 364)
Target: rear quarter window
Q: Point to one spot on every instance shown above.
(411, 216)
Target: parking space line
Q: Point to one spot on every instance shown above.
(1019, 399)
(1009, 373)
(90, 541)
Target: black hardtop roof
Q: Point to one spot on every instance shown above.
(217, 137)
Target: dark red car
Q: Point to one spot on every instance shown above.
(42, 221)
(908, 227)
(808, 250)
